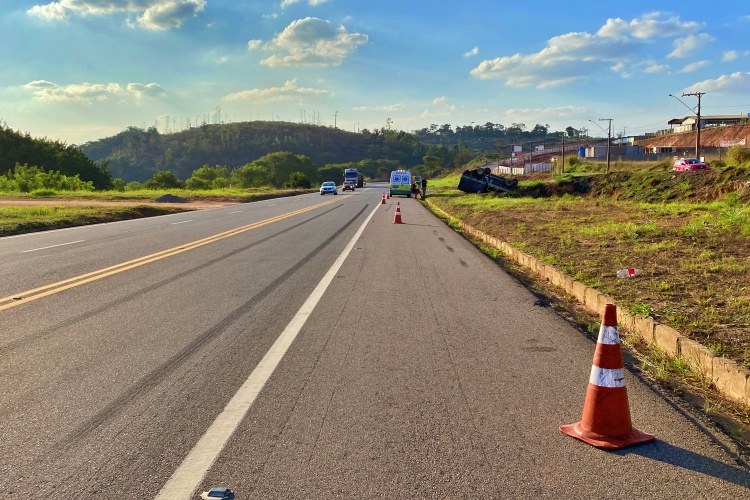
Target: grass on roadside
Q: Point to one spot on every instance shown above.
(17, 220)
(239, 195)
(694, 252)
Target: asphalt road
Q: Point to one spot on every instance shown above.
(307, 347)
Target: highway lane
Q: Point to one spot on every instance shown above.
(29, 260)
(427, 372)
(424, 372)
(104, 383)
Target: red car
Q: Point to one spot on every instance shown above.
(688, 165)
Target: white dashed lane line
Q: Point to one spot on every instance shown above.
(53, 246)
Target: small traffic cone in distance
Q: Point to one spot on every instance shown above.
(606, 421)
(382, 199)
(397, 217)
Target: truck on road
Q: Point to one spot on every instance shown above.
(354, 175)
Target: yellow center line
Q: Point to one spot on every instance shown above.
(46, 290)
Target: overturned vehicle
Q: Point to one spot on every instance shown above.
(482, 180)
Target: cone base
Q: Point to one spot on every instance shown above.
(606, 442)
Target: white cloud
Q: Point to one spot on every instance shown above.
(441, 108)
(312, 42)
(573, 56)
(140, 90)
(158, 15)
(687, 45)
(254, 44)
(689, 68)
(388, 107)
(732, 55)
(473, 52)
(649, 26)
(89, 93)
(311, 3)
(545, 115)
(290, 91)
(736, 83)
(653, 67)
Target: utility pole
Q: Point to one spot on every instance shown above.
(698, 123)
(562, 163)
(609, 139)
(334, 119)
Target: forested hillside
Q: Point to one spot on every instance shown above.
(22, 149)
(136, 154)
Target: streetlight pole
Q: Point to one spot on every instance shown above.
(698, 123)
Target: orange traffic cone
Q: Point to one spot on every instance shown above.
(397, 217)
(382, 199)
(606, 415)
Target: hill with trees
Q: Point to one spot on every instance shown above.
(136, 154)
(17, 149)
(254, 153)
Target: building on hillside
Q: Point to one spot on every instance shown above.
(717, 132)
(687, 124)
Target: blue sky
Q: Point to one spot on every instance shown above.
(80, 70)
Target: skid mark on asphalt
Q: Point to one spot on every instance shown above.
(27, 340)
(76, 281)
(151, 380)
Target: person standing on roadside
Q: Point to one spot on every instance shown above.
(424, 187)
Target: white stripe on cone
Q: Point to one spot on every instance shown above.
(605, 377)
(608, 335)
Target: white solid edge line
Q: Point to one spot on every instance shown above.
(196, 464)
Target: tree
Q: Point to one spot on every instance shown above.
(279, 166)
(251, 175)
(433, 165)
(540, 130)
(17, 148)
(298, 180)
(164, 179)
(208, 177)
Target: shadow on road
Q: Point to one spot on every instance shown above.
(680, 457)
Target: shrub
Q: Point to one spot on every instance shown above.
(737, 155)
(298, 180)
(28, 179)
(164, 179)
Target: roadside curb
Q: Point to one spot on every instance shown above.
(730, 379)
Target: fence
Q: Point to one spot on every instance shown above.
(523, 170)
